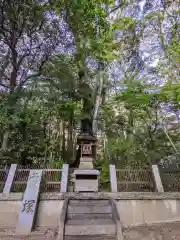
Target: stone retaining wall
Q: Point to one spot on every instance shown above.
(140, 212)
(134, 208)
(48, 213)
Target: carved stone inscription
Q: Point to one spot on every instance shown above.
(28, 206)
(34, 176)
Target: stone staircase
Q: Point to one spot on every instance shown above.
(89, 219)
(79, 220)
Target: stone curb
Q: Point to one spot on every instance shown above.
(100, 195)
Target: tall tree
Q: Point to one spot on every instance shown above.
(28, 37)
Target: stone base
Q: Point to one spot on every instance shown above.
(86, 180)
(86, 163)
(86, 185)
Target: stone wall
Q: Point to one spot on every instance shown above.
(139, 212)
(9, 212)
(48, 213)
(134, 209)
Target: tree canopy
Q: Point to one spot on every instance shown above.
(130, 54)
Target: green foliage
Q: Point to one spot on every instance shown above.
(103, 166)
(134, 130)
(155, 14)
(39, 118)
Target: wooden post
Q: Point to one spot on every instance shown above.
(29, 203)
(10, 178)
(113, 178)
(64, 178)
(157, 178)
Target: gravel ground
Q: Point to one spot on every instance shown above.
(38, 234)
(167, 231)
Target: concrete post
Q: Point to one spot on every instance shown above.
(113, 178)
(64, 178)
(157, 178)
(10, 178)
(29, 203)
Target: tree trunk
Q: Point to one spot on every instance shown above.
(63, 149)
(4, 144)
(70, 139)
(98, 103)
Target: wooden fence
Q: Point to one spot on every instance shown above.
(139, 180)
(14, 179)
(170, 178)
(51, 180)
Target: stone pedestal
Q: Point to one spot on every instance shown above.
(86, 163)
(86, 180)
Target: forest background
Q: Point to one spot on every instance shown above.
(130, 52)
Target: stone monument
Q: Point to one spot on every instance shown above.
(29, 203)
(86, 177)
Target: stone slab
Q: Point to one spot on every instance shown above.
(116, 219)
(64, 178)
(90, 222)
(86, 165)
(86, 159)
(29, 203)
(89, 237)
(157, 178)
(89, 209)
(89, 202)
(86, 172)
(10, 178)
(86, 185)
(113, 178)
(90, 227)
(80, 216)
(62, 221)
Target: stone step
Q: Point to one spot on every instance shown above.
(90, 222)
(90, 227)
(89, 202)
(76, 209)
(80, 216)
(89, 237)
